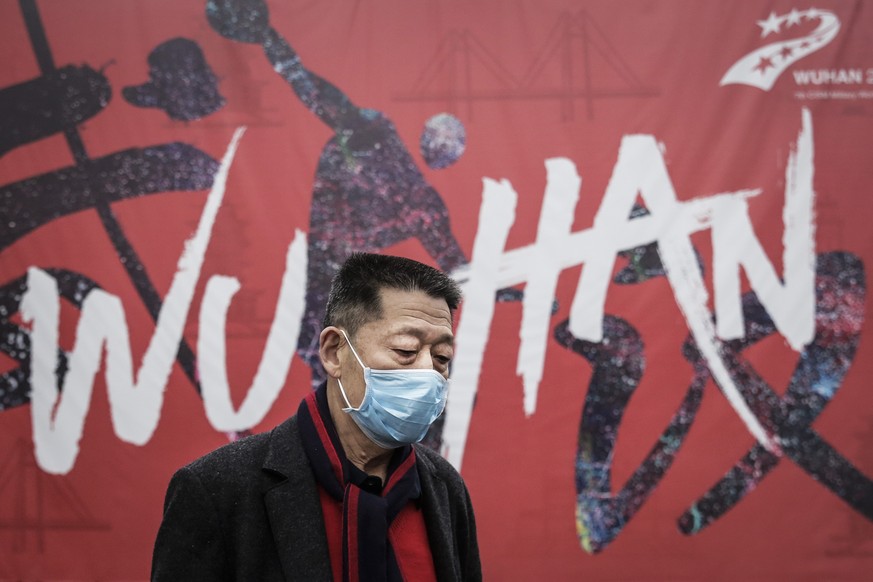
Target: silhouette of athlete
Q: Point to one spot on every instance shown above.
(368, 192)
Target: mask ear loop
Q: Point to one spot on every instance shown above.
(346, 398)
(340, 382)
(357, 357)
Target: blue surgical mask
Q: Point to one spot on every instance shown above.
(399, 405)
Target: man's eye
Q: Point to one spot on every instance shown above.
(444, 360)
(406, 353)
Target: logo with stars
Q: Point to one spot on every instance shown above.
(761, 67)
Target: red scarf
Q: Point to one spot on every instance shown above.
(367, 551)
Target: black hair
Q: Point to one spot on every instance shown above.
(355, 298)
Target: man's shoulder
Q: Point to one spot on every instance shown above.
(247, 453)
(434, 463)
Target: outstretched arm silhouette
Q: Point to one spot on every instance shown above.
(324, 99)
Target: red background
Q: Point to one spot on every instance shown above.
(519, 470)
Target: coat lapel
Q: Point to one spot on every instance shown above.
(434, 506)
(294, 508)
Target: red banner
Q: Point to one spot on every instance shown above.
(658, 215)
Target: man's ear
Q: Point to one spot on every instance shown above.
(329, 342)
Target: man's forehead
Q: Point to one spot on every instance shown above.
(415, 313)
(432, 333)
(414, 304)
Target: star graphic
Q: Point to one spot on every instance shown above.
(786, 52)
(764, 64)
(772, 24)
(794, 17)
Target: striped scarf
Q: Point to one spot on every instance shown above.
(367, 552)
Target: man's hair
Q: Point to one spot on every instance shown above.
(355, 291)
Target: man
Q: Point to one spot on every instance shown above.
(340, 491)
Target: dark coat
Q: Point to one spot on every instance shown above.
(250, 511)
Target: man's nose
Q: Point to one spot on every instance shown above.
(424, 361)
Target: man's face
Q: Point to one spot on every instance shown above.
(415, 332)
